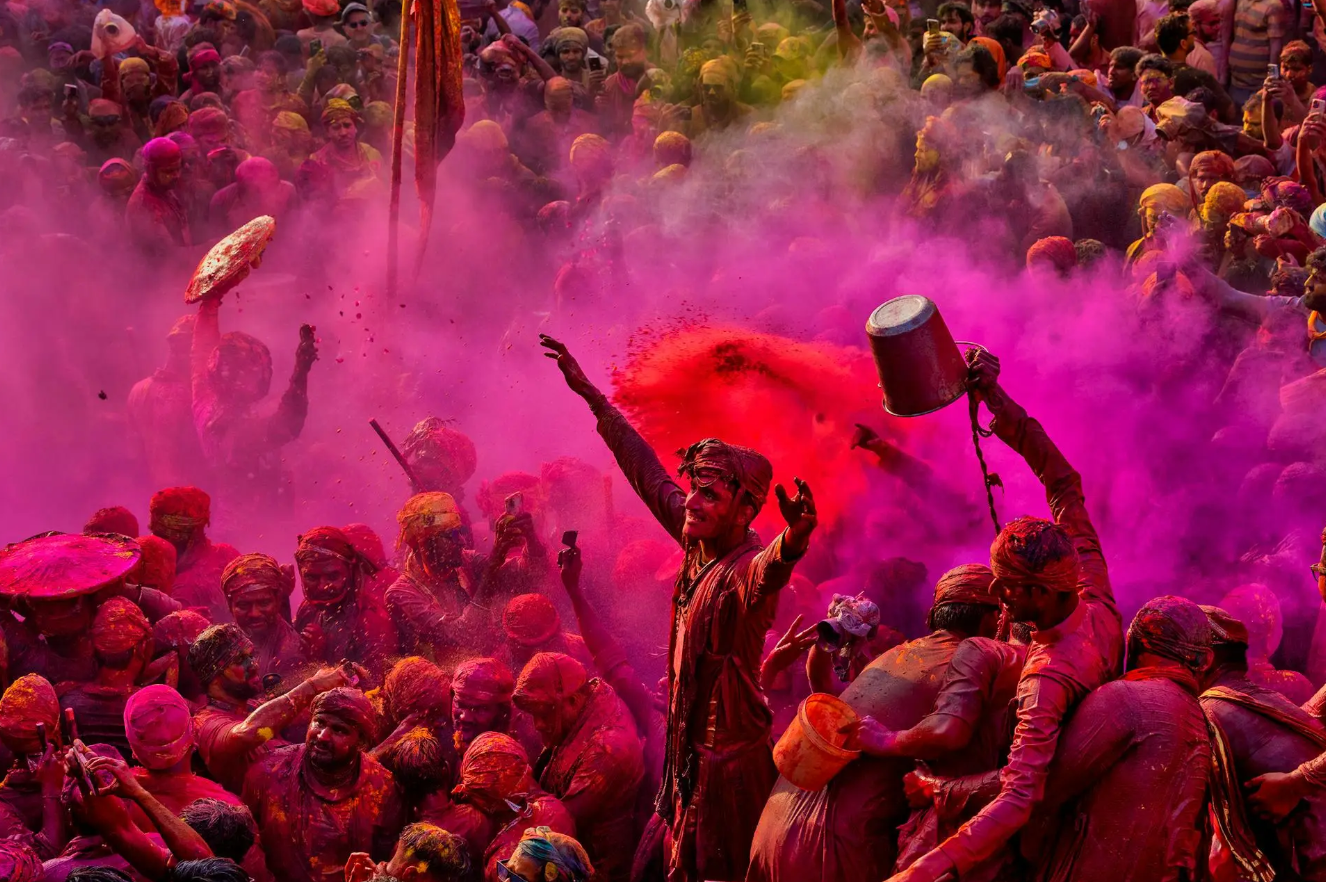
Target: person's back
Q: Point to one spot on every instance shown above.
(1259, 31)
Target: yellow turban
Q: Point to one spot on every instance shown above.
(426, 513)
(1166, 197)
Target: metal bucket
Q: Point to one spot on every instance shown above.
(920, 367)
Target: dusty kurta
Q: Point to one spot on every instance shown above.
(426, 611)
(213, 729)
(359, 630)
(719, 763)
(598, 770)
(1126, 787)
(309, 831)
(1064, 663)
(280, 651)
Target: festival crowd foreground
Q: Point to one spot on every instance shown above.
(479, 701)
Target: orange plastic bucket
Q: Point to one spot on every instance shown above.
(811, 751)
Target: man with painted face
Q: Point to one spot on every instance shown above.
(1052, 576)
(319, 802)
(257, 591)
(161, 413)
(719, 724)
(340, 617)
(30, 791)
(357, 169)
(481, 690)
(204, 72)
(230, 735)
(231, 375)
(180, 515)
(155, 215)
(442, 458)
(592, 760)
(616, 104)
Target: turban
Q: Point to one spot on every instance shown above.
(549, 677)
(161, 151)
(1212, 162)
(1249, 168)
(339, 109)
(208, 121)
(214, 650)
(367, 543)
(483, 680)
(325, 8)
(159, 726)
(116, 519)
(116, 176)
(1086, 76)
(531, 620)
(179, 630)
(1036, 58)
(425, 513)
(1223, 200)
(1284, 193)
(542, 846)
(486, 136)
(119, 627)
(570, 38)
(18, 862)
(1318, 221)
(1173, 627)
(329, 542)
(414, 685)
(351, 707)
(495, 765)
(969, 583)
(720, 71)
(221, 9)
(180, 507)
(497, 54)
(996, 50)
(134, 65)
(1165, 197)
(157, 569)
(29, 700)
(102, 108)
(711, 460)
(202, 54)
(1035, 550)
(1225, 628)
(1257, 607)
(289, 121)
(260, 572)
(672, 148)
(1056, 250)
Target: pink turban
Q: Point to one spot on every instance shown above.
(159, 727)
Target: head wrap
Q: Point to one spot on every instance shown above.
(672, 148)
(116, 519)
(1223, 200)
(721, 71)
(710, 460)
(484, 680)
(1165, 197)
(351, 707)
(173, 118)
(1318, 220)
(29, 700)
(1253, 167)
(202, 54)
(366, 542)
(1173, 627)
(425, 513)
(159, 152)
(531, 620)
(543, 846)
(116, 176)
(996, 50)
(134, 65)
(1284, 193)
(549, 677)
(571, 38)
(157, 567)
(339, 109)
(179, 630)
(18, 862)
(119, 627)
(1225, 628)
(325, 542)
(1035, 550)
(1213, 162)
(102, 108)
(250, 572)
(289, 121)
(322, 8)
(179, 507)
(434, 440)
(208, 121)
(1056, 250)
(159, 726)
(223, 9)
(1036, 58)
(214, 650)
(1086, 76)
(494, 765)
(498, 54)
(414, 685)
(1257, 607)
(969, 583)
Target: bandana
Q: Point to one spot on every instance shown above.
(29, 700)
(484, 680)
(352, 708)
(18, 862)
(100, 108)
(498, 54)
(426, 513)
(720, 72)
(495, 765)
(180, 507)
(119, 627)
(414, 685)
(1214, 162)
(1035, 550)
(1036, 58)
(255, 572)
(221, 9)
(214, 650)
(116, 519)
(202, 54)
(159, 726)
(969, 583)
(548, 678)
(712, 460)
(531, 620)
(339, 109)
(157, 568)
(432, 439)
(1224, 627)
(543, 846)
(1173, 627)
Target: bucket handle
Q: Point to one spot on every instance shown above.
(977, 433)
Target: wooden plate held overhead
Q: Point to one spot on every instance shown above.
(230, 260)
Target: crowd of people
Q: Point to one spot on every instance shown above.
(547, 681)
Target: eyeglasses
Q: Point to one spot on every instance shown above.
(356, 25)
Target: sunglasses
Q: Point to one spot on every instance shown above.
(356, 25)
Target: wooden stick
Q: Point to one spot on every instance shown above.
(400, 460)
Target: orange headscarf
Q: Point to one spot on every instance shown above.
(992, 46)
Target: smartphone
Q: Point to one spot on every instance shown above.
(314, 47)
(932, 25)
(514, 503)
(1273, 71)
(1318, 105)
(738, 5)
(70, 90)
(595, 63)
(569, 538)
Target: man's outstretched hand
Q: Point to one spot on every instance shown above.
(799, 512)
(571, 370)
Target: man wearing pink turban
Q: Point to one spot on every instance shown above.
(155, 214)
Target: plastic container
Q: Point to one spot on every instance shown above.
(811, 751)
(920, 367)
